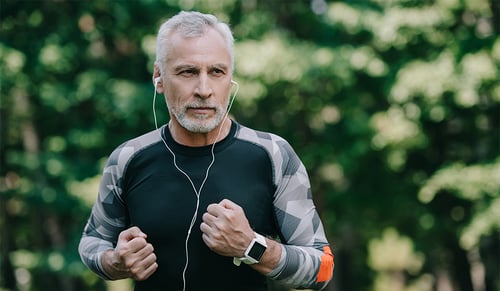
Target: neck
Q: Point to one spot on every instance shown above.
(188, 138)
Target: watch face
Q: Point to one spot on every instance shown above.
(257, 251)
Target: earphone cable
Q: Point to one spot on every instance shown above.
(197, 192)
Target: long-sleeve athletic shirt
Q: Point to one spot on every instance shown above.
(257, 170)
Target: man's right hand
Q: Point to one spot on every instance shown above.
(133, 257)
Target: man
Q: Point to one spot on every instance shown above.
(200, 203)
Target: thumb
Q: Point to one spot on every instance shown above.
(131, 233)
(228, 204)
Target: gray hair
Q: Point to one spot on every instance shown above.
(190, 24)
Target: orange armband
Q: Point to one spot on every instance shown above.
(326, 267)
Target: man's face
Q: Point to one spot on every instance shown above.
(197, 84)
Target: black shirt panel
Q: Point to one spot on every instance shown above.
(161, 201)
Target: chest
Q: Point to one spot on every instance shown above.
(161, 199)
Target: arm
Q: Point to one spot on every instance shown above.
(106, 228)
(133, 257)
(306, 260)
(226, 231)
(303, 260)
(106, 221)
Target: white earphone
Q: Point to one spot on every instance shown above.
(196, 191)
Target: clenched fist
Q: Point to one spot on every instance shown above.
(133, 256)
(225, 229)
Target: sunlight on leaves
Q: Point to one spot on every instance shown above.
(429, 80)
(120, 285)
(86, 139)
(85, 191)
(12, 61)
(426, 221)
(484, 223)
(272, 59)
(88, 83)
(476, 69)
(479, 6)
(25, 259)
(57, 58)
(125, 95)
(148, 46)
(54, 95)
(334, 174)
(55, 261)
(476, 183)
(35, 19)
(393, 128)
(393, 252)
(86, 23)
(328, 115)
(56, 144)
(323, 57)
(364, 58)
(391, 256)
(54, 166)
(343, 14)
(467, 182)
(250, 90)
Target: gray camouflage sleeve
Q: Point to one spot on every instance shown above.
(307, 260)
(108, 216)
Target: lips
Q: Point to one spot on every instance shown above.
(201, 110)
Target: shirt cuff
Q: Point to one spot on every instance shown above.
(100, 268)
(281, 265)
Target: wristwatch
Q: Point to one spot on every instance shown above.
(254, 252)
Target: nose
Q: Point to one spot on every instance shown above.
(204, 87)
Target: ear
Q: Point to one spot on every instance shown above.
(157, 79)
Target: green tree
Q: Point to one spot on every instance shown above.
(392, 105)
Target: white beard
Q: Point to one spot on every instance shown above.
(198, 124)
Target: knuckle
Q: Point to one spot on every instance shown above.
(122, 253)
(139, 242)
(140, 277)
(230, 216)
(129, 266)
(137, 271)
(217, 236)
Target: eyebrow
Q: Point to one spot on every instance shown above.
(219, 66)
(183, 67)
(187, 66)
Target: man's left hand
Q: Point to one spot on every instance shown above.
(225, 229)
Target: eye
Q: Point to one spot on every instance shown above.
(187, 72)
(217, 72)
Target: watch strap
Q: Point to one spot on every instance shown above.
(257, 244)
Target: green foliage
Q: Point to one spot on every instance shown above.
(392, 105)
(479, 184)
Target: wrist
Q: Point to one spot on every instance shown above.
(254, 252)
(103, 263)
(109, 266)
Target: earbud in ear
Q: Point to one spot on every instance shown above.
(157, 79)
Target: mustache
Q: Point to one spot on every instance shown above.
(200, 104)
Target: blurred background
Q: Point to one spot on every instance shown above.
(393, 106)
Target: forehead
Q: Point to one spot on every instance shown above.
(204, 50)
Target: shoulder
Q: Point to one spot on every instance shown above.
(260, 138)
(124, 152)
(279, 150)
